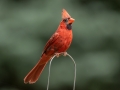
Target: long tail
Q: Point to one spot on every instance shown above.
(34, 74)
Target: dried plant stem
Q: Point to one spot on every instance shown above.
(49, 71)
(57, 55)
(74, 71)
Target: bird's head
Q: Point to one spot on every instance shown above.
(66, 18)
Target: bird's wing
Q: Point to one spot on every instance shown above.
(50, 42)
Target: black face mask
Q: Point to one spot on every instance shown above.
(69, 26)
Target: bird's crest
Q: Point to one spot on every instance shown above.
(65, 14)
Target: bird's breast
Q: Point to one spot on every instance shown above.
(65, 39)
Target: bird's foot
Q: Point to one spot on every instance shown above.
(64, 53)
(58, 54)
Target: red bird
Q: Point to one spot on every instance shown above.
(58, 43)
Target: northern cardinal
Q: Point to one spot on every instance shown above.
(59, 42)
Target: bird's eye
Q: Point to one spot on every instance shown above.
(65, 20)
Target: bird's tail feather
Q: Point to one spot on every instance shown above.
(34, 74)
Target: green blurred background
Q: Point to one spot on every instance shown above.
(25, 27)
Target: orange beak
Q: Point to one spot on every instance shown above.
(71, 20)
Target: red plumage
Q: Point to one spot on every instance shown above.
(59, 42)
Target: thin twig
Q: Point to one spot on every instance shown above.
(56, 55)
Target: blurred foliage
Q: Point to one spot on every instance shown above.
(25, 27)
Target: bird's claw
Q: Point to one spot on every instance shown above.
(58, 54)
(64, 53)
